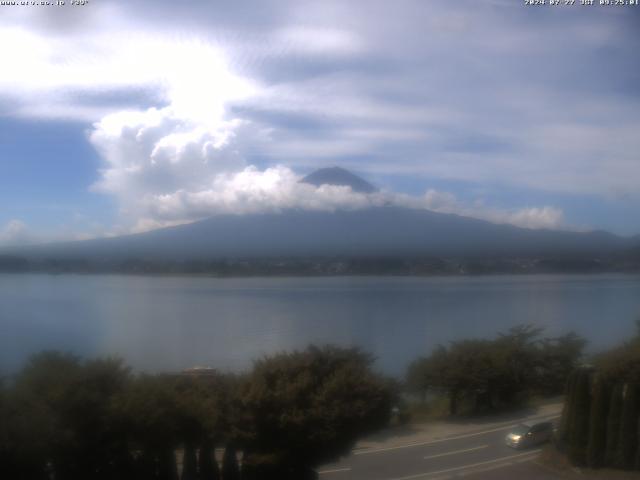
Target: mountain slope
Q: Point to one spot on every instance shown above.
(373, 232)
(338, 176)
(359, 235)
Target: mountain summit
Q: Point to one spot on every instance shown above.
(338, 176)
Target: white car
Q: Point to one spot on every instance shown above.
(529, 434)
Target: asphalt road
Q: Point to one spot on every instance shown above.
(478, 455)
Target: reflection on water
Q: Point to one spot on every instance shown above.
(166, 323)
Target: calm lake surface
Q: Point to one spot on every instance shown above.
(170, 323)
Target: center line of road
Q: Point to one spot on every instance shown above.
(456, 452)
(335, 470)
(472, 465)
(506, 426)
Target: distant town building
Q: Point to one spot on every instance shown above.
(199, 371)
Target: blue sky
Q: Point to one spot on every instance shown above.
(120, 117)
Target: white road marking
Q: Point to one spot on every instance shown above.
(471, 465)
(335, 470)
(492, 467)
(456, 452)
(433, 442)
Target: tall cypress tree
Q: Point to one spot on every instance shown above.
(613, 425)
(579, 427)
(628, 428)
(167, 467)
(598, 423)
(230, 469)
(637, 462)
(567, 411)
(208, 466)
(189, 463)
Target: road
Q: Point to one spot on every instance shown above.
(475, 455)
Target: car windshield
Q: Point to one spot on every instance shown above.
(520, 430)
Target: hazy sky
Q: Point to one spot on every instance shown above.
(123, 116)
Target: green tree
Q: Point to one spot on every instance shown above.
(579, 427)
(622, 363)
(558, 357)
(151, 408)
(613, 424)
(466, 370)
(493, 373)
(432, 374)
(61, 418)
(306, 408)
(637, 458)
(568, 410)
(207, 464)
(230, 468)
(189, 463)
(598, 423)
(200, 418)
(628, 439)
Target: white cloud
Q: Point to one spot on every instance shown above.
(168, 166)
(166, 170)
(536, 217)
(157, 151)
(253, 191)
(14, 232)
(314, 40)
(446, 202)
(493, 106)
(46, 78)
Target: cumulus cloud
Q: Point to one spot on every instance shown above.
(217, 115)
(447, 202)
(186, 161)
(166, 169)
(528, 217)
(157, 151)
(14, 232)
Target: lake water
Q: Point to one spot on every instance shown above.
(169, 323)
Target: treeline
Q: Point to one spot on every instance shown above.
(64, 418)
(296, 266)
(483, 375)
(600, 425)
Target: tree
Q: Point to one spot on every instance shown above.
(637, 459)
(568, 410)
(431, 373)
(613, 424)
(306, 408)
(199, 413)
(230, 468)
(189, 463)
(622, 363)
(496, 373)
(558, 357)
(598, 423)
(628, 439)
(579, 427)
(61, 419)
(518, 353)
(207, 464)
(151, 409)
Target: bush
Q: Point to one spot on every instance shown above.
(306, 408)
